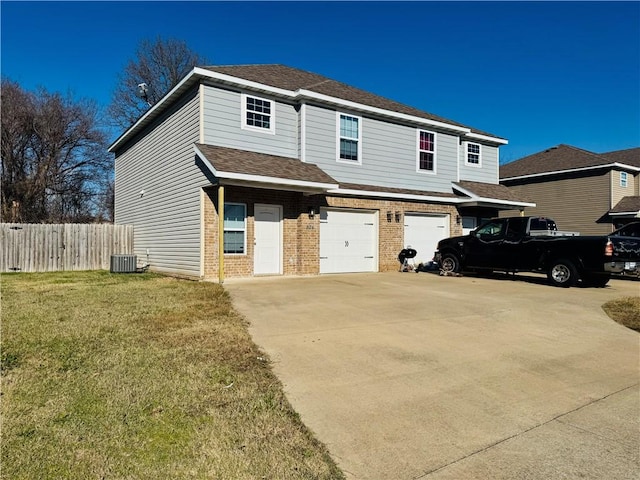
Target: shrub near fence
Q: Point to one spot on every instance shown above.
(73, 246)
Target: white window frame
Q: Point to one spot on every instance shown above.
(339, 137)
(419, 151)
(624, 179)
(272, 115)
(466, 155)
(244, 229)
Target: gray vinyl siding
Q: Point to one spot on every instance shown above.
(166, 218)
(222, 119)
(488, 170)
(389, 153)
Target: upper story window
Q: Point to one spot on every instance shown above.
(426, 151)
(258, 114)
(623, 179)
(235, 228)
(349, 138)
(474, 153)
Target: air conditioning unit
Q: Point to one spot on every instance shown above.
(123, 263)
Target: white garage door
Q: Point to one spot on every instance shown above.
(423, 232)
(348, 241)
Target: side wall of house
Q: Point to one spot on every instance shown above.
(575, 203)
(618, 191)
(389, 153)
(158, 188)
(486, 171)
(222, 124)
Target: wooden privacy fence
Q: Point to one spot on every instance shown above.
(74, 246)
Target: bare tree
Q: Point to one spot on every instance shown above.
(160, 65)
(55, 165)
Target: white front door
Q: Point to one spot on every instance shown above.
(423, 232)
(267, 253)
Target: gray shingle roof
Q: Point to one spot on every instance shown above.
(231, 160)
(566, 157)
(630, 156)
(627, 204)
(489, 190)
(288, 78)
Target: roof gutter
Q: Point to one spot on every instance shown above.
(475, 199)
(493, 201)
(319, 97)
(486, 138)
(197, 74)
(625, 214)
(572, 170)
(301, 185)
(403, 196)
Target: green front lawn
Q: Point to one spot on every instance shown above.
(141, 377)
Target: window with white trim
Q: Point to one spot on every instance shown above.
(426, 151)
(474, 152)
(235, 228)
(349, 138)
(258, 114)
(623, 179)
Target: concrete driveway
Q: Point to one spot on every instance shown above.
(416, 376)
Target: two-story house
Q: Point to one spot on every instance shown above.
(270, 170)
(591, 193)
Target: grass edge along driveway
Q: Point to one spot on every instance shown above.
(141, 376)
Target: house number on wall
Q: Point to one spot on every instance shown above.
(346, 243)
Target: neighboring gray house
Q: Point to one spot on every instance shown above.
(271, 170)
(591, 193)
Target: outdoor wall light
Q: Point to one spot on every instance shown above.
(312, 212)
(389, 216)
(458, 219)
(398, 217)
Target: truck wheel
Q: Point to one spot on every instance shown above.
(450, 263)
(562, 273)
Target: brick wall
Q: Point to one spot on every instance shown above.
(301, 234)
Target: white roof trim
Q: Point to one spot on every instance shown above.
(302, 93)
(486, 138)
(405, 196)
(299, 94)
(571, 170)
(155, 107)
(495, 201)
(622, 214)
(275, 180)
(262, 179)
(474, 198)
(244, 83)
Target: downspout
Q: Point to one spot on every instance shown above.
(221, 234)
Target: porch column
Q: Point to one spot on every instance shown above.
(221, 234)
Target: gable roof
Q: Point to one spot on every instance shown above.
(288, 78)
(565, 158)
(235, 165)
(298, 85)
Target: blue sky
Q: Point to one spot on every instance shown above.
(538, 74)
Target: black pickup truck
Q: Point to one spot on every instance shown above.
(533, 244)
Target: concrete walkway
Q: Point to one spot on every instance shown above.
(415, 376)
